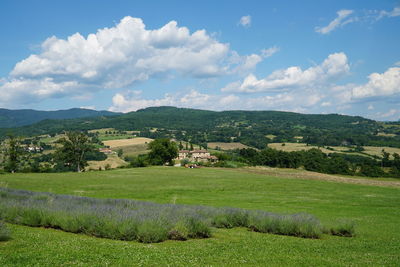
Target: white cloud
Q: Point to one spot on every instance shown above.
(270, 51)
(337, 22)
(127, 48)
(133, 101)
(247, 63)
(389, 114)
(385, 84)
(115, 57)
(287, 101)
(326, 104)
(245, 21)
(333, 66)
(394, 13)
(120, 57)
(89, 107)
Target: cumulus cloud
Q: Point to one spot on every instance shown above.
(339, 21)
(333, 66)
(379, 84)
(245, 21)
(119, 57)
(287, 101)
(132, 101)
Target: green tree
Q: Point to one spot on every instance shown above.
(13, 153)
(162, 151)
(73, 149)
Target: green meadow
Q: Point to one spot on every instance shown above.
(375, 211)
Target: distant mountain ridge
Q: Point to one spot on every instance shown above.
(22, 117)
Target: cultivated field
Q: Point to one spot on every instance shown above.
(368, 150)
(127, 142)
(288, 147)
(133, 150)
(373, 150)
(113, 161)
(375, 210)
(226, 146)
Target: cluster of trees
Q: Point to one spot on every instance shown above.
(162, 151)
(316, 160)
(72, 153)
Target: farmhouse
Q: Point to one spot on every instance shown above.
(196, 155)
(106, 150)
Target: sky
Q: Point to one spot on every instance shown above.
(300, 56)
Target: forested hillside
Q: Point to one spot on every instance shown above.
(15, 118)
(253, 128)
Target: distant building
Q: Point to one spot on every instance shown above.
(34, 149)
(196, 156)
(106, 150)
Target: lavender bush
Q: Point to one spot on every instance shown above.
(143, 221)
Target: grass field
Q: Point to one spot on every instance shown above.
(375, 210)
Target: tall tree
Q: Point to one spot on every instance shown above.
(162, 151)
(12, 154)
(73, 149)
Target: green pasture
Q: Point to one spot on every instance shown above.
(375, 210)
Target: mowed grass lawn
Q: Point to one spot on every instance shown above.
(376, 211)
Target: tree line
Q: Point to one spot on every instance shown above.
(315, 160)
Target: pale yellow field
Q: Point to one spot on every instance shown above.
(127, 142)
(226, 146)
(133, 150)
(288, 147)
(370, 150)
(373, 150)
(112, 160)
(386, 134)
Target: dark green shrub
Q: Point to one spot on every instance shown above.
(4, 232)
(343, 228)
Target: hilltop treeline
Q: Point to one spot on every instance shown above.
(316, 160)
(248, 127)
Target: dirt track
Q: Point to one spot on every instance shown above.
(302, 174)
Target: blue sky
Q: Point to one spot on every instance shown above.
(303, 56)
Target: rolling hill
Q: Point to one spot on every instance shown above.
(15, 118)
(252, 128)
